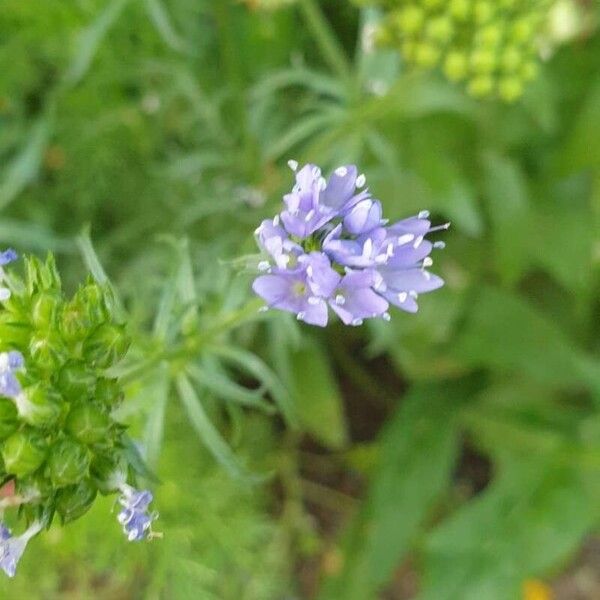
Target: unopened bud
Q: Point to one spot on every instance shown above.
(9, 420)
(24, 452)
(38, 407)
(87, 424)
(69, 462)
(75, 500)
(76, 382)
(106, 345)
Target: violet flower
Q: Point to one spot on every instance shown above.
(331, 248)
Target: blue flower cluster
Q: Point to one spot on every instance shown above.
(330, 247)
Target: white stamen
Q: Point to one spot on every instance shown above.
(322, 183)
(341, 171)
(361, 180)
(418, 242)
(390, 249)
(424, 214)
(300, 316)
(386, 316)
(309, 215)
(439, 245)
(263, 265)
(427, 262)
(357, 322)
(276, 220)
(440, 227)
(402, 297)
(316, 172)
(340, 300)
(368, 247)
(313, 300)
(405, 239)
(263, 309)
(309, 270)
(293, 165)
(381, 259)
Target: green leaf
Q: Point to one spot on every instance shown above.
(24, 168)
(208, 433)
(157, 392)
(505, 333)
(90, 39)
(318, 399)
(531, 518)
(508, 204)
(257, 368)
(418, 449)
(210, 375)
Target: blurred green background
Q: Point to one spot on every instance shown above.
(454, 454)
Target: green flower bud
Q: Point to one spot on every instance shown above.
(523, 30)
(510, 89)
(426, 55)
(75, 382)
(481, 86)
(39, 407)
(529, 70)
(9, 420)
(91, 300)
(46, 352)
(74, 501)
(24, 452)
(460, 9)
(483, 61)
(109, 473)
(440, 29)
(109, 392)
(456, 66)
(74, 324)
(87, 424)
(484, 11)
(69, 462)
(490, 35)
(410, 20)
(511, 59)
(106, 345)
(44, 310)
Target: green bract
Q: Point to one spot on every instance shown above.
(490, 45)
(58, 439)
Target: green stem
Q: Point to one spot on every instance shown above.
(193, 344)
(332, 51)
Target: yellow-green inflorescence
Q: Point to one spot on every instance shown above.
(59, 444)
(488, 45)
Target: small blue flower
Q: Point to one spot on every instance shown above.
(12, 548)
(6, 257)
(134, 516)
(9, 363)
(330, 247)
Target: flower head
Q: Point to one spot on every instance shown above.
(134, 516)
(331, 248)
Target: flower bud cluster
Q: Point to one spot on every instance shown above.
(59, 443)
(490, 45)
